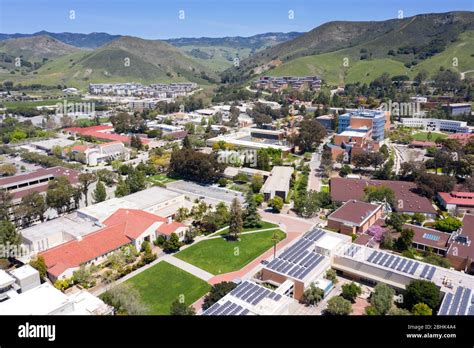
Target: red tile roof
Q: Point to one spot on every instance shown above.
(344, 189)
(99, 132)
(463, 138)
(458, 198)
(167, 229)
(122, 228)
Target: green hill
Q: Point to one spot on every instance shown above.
(123, 60)
(399, 45)
(331, 65)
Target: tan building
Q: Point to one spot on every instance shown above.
(354, 217)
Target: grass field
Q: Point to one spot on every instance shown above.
(163, 283)
(423, 136)
(219, 256)
(160, 179)
(325, 188)
(265, 225)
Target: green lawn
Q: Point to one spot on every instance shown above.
(265, 224)
(163, 283)
(423, 136)
(160, 179)
(219, 256)
(325, 188)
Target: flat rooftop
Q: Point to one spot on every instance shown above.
(279, 179)
(140, 200)
(50, 143)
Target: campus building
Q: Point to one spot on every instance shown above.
(406, 200)
(377, 121)
(278, 183)
(354, 217)
(21, 293)
(457, 202)
(436, 125)
(93, 155)
(124, 227)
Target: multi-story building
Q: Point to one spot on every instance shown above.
(377, 121)
(436, 125)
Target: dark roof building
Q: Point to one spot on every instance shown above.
(407, 200)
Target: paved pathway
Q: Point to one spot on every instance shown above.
(196, 271)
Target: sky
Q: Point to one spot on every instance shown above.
(164, 19)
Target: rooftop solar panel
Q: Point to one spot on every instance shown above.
(244, 312)
(371, 257)
(395, 262)
(457, 297)
(463, 307)
(377, 257)
(413, 269)
(425, 271)
(401, 264)
(446, 302)
(383, 259)
(389, 260)
(431, 273)
(471, 310)
(407, 266)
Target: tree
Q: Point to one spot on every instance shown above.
(187, 143)
(60, 194)
(172, 244)
(379, 194)
(83, 276)
(310, 135)
(312, 295)
(382, 298)
(418, 218)
(236, 223)
(195, 166)
(398, 311)
(39, 264)
(222, 182)
(345, 170)
(351, 291)
(339, 306)
(422, 291)
(10, 239)
(99, 194)
(180, 308)
(448, 224)
(421, 309)
(331, 275)
(136, 180)
(251, 217)
(256, 183)
(404, 242)
(276, 203)
(5, 204)
(7, 169)
(122, 188)
(429, 184)
(85, 180)
(33, 206)
(396, 221)
(217, 292)
(125, 299)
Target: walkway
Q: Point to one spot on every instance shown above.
(195, 271)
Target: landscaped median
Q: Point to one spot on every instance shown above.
(218, 255)
(162, 284)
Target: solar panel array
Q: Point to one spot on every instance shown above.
(394, 262)
(253, 293)
(297, 261)
(352, 250)
(461, 303)
(431, 236)
(227, 308)
(428, 272)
